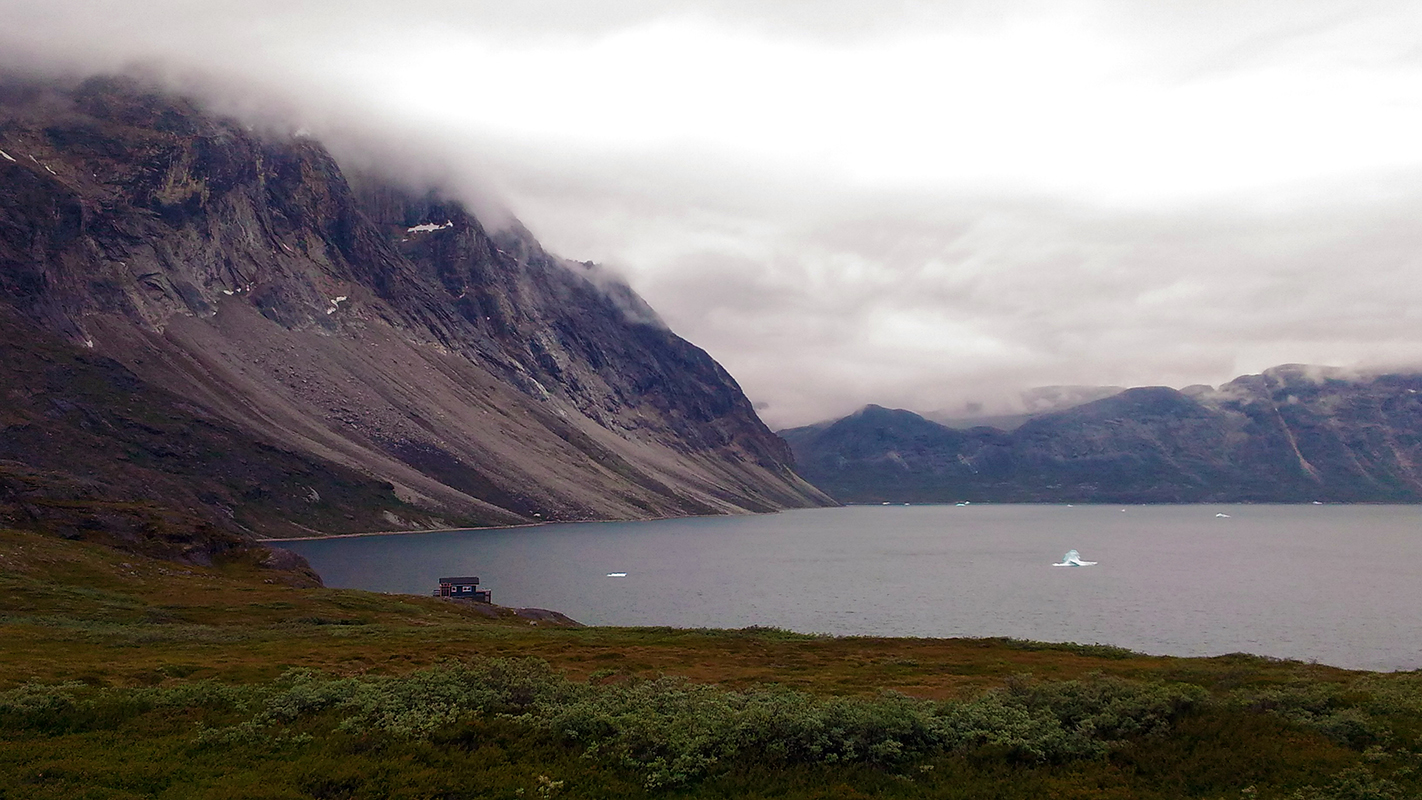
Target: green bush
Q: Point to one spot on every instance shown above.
(669, 730)
(424, 701)
(1346, 713)
(1054, 722)
(674, 730)
(30, 703)
(1352, 784)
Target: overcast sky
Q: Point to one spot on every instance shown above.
(913, 204)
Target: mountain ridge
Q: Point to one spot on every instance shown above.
(1293, 433)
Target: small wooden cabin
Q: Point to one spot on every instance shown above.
(463, 589)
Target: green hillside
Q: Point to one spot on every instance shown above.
(125, 676)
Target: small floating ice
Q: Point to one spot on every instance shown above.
(1222, 515)
(7, 156)
(616, 574)
(1073, 559)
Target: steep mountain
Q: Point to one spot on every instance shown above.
(358, 328)
(1291, 434)
(89, 451)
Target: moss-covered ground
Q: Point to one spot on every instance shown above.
(125, 676)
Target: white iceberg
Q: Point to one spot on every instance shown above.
(1073, 559)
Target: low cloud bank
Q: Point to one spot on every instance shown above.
(1028, 194)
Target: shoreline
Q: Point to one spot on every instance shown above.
(416, 530)
(865, 504)
(524, 525)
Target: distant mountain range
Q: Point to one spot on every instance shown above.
(1291, 434)
(224, 327)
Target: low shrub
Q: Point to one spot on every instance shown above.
(674, 730)
(1055, 722)
(669, 730)
(1351, 714)
(1356, 783)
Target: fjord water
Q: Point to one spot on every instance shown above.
(1336, 584)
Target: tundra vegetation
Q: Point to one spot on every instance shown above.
(126, 676)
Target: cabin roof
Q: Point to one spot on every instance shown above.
(459, 580)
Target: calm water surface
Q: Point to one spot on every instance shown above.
(1340, 585)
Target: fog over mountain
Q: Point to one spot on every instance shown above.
(921, 205)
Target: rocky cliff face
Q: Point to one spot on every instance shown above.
(381, 331)
(1292, 434)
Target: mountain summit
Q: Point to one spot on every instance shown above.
(380, 332)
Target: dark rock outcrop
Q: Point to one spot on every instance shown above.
(378, 334)
(1292, 434)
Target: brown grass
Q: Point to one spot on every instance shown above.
(71, 610)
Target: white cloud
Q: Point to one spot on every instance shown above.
(910, 203)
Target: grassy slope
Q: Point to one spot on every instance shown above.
(115, 622)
